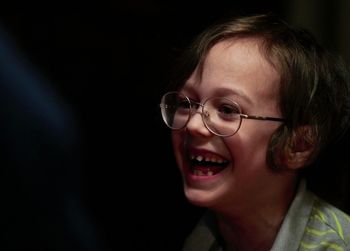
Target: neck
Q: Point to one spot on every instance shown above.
(255, 232)
(255, 227)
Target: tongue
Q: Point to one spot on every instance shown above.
(206, 170)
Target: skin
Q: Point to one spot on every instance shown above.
(249, 199)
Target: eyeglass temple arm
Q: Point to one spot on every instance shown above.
(245, 116)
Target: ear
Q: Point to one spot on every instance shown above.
(300, 148)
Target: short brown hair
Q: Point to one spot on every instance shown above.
(314, 88)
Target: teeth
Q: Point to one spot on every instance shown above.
(199, 158)
(201, 173)
(212, 159)
(198, 173)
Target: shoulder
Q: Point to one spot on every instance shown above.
(327, 227)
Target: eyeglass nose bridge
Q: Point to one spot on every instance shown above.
(204, 114)
(195, 106)
(194, 109)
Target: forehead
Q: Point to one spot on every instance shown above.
(238, 64)
(241, 57)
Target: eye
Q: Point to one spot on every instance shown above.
(228, 108)
(183, 104)
(228, 111)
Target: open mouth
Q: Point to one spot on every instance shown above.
(207, 166)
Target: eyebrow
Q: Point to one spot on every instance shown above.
(234, 91)
(222, 92)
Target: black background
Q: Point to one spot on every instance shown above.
(110, 62)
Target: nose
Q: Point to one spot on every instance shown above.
(196, 126)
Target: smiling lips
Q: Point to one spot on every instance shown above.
(207, 166)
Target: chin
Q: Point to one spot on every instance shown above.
(199, 197)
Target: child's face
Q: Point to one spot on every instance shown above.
(237, 70)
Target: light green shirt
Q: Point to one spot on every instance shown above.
(311, 224)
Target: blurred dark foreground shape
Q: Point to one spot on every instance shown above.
(41, 200)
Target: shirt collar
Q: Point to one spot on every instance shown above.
(295, 221)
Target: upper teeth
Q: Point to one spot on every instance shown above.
(212, 159)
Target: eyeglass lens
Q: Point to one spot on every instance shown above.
(220, 115)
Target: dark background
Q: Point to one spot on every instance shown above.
(108, 62)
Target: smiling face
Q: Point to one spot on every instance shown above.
(232, 172)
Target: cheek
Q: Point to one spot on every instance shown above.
(177, 143)
(249, 146)
(175, 138)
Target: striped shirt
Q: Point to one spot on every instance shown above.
(311, 224)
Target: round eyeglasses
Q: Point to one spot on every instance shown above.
(220, 115)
